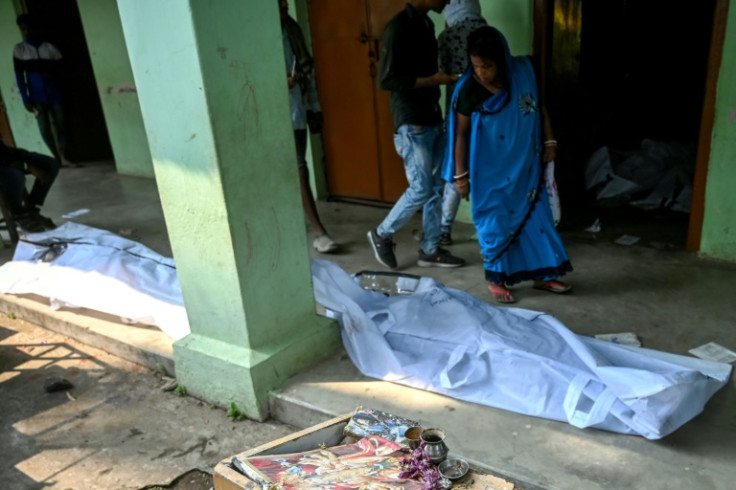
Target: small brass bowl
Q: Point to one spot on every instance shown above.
(412, 435)
(453, 468)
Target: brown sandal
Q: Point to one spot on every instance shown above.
(500, 293)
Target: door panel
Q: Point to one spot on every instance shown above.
(345, 87)
(358, 130)
(393, 177)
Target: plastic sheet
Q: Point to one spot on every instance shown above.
(80, 266)
(659, 175)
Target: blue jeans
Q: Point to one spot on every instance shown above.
(450, 205)
(422, 148)
(13, 181)
(50, 120)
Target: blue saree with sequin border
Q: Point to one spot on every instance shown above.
(509, 201)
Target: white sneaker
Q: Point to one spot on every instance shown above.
(324, 244)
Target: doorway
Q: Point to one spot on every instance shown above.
(361, 161)
(619, 73)
(86, 131)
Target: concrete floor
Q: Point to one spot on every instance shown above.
(672, 300)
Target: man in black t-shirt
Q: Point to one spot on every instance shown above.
(408, 69)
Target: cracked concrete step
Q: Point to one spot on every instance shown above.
(142, 344)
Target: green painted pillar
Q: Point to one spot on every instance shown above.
(212, 86)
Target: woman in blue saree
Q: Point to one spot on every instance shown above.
(496, 159)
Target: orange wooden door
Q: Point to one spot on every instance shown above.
(391, 167)
(358, 132)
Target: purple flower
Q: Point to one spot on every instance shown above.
(418, 467)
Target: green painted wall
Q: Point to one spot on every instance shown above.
(22, 122)
(719, 223)
(514, 19)
(116, 87)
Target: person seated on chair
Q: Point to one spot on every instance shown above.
(15, 163)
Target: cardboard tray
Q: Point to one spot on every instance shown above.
(329, 433)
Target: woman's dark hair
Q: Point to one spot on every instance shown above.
(486, 42)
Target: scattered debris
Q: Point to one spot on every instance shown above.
(626, 240)
(56, 383)
(74, 214)
(170, 384)
(191, 480)
(595, 227)
(623, 338)
(714, 352)
(71, 398)
(663, 246)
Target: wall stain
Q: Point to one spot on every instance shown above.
(223, 52)
(277, 242)
(163, 453)
(248, 243)
(123, 88)
(126, 88)
(732, 115)
(194, 135)
(246, 102)
(134, 432)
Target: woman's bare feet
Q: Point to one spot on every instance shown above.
(500, 293)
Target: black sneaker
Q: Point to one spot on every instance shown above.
(441, 258)
(45, 222)
(445, 240)
(29, 223)
(383, 249)
(35, 211)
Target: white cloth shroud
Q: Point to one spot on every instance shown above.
(447, 341)
(99, 270)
